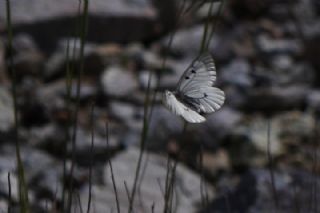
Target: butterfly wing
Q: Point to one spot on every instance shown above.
(202, 71)
(195, 88)
(180, 109)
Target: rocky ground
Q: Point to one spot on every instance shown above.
(267, 58)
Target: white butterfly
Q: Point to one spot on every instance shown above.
(195, 92)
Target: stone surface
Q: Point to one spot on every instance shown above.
(129, 20)
(277, 98)
(4, 186)
(132, 116)
(58, 63)
(287, 132)
(28, 60)
(237, 73)
(163, 126)
(267, 62)
(118, 82)
(187, 185)
(222, 123)
(254, 193)
(6, 112)
(43, 10)
(144, 80)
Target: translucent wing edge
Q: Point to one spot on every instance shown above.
(180, 109)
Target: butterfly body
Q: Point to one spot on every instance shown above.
(195, 92)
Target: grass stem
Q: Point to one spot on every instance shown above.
(83, 32)
(111, 170)
(271, 167)
(22, 187)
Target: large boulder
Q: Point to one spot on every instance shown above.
(187, 185)
(117, 21)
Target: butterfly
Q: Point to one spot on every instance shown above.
(195, 93)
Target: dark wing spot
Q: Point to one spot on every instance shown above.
(187, 77)
(205, 95)
(193, 71)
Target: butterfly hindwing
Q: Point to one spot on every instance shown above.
(195, 92)
(207, 99)
(180, 109)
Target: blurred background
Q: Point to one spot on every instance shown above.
(258, 153)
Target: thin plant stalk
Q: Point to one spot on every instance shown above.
(271, 167)
(22, 187)
(171, 175)
(69, 76)
(203, 187)
(216, 23)
(9, 192)
(144, 134)
(203, 46)
(314, 184)
(194, 6)
(127, 190)
(67, 135)
(79, 201)
(83, 32)
(111, 170)
(91, 159)
(152, 207)
(179, 17)
(226, 197)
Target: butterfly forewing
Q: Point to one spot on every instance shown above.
(201, 72)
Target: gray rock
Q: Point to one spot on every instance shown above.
(3, 206)
(220, 46)
(87, 92)
(272, 46)
(258, 136)
(202, 12)
(287, 130)
(216, 162)
(163, 126)
(313, 100)
(306, 12)
(131, 115)
(100, 148)
(170, 79)
(4, 186)
(277, 98)
(144, 79)
(152, 60)
(237, 73)
(255, 191)
(57, 64)
(235, 97)
(129, 20)
(221, 123)
(191, 36)
(150, 193)
(6, 112)
(27, 59)
(118, 82)
(44, 10)
(51, 95)
(282, 62)
(3, 75)
(286, 72)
